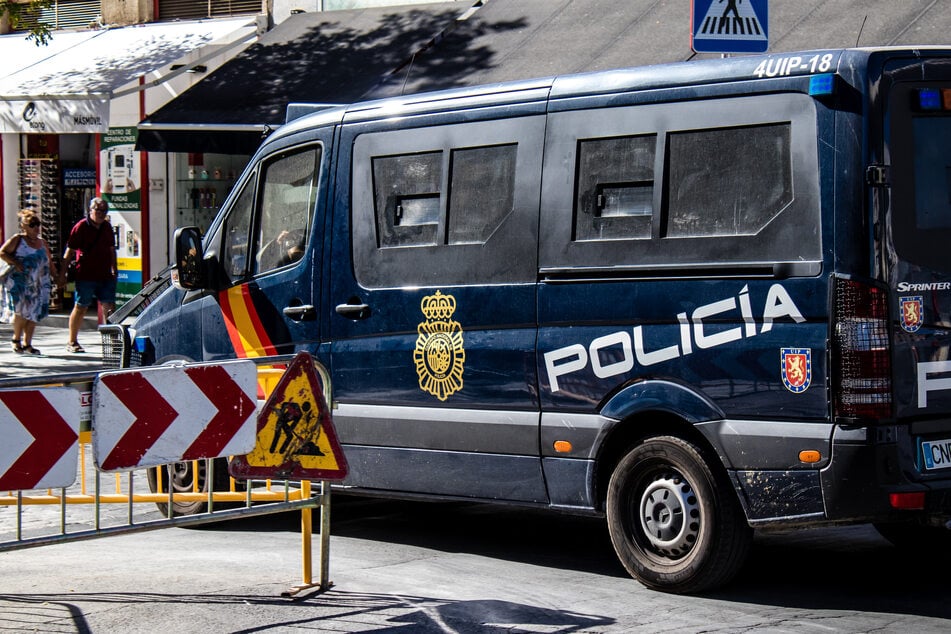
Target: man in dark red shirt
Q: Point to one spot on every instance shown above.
(92, 243)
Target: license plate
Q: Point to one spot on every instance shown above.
(936, 454)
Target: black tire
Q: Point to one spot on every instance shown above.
(918, 538)
(675, 521)
(182, 477)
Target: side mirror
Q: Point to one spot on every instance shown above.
(189, 259)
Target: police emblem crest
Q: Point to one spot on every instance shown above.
(796, 369)
(439, 354)
(910, 312)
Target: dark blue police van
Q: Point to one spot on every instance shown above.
(696, 298)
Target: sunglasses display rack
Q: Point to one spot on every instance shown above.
(40, 191)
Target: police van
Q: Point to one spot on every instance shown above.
(696, 299)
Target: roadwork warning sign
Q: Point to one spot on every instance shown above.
(296, 439)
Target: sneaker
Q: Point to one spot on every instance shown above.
(74, 347)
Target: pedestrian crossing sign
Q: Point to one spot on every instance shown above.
(729, 26)
(296, 439)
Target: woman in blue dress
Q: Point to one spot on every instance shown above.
(28, 285)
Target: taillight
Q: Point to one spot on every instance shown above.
(861, 351)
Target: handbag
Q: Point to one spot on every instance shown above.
(8, 268)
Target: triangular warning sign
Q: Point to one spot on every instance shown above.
(296, 439)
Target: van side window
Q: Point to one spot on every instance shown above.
(481, 191)
(713, 189)
(681, 187)
(237, 234)
(447, 204)
(406, 190)
(288, 197)
(615, 193)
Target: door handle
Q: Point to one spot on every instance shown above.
(353, 311)
(304, 312)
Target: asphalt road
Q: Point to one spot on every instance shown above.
(455, 567)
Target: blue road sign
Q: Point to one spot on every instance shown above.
(729, 26)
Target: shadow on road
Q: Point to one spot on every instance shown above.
(50, 613)
(847, 568)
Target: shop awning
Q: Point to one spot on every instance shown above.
(320, 57)
(67, 85)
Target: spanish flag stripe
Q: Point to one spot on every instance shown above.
(266, 347)
(246, 343)
(224, 299)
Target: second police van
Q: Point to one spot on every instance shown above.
(696, 298)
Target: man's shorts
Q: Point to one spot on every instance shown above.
(86, 291)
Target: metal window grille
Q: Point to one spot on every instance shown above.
(191, 10)
(63, 14)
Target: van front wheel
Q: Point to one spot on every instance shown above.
(675, 522)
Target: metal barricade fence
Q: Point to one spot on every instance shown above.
(101, 504)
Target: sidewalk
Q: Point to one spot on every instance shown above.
(50, 338)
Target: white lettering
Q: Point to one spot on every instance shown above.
(618, 356)
(657, 356)
(685, 343)
(779, 304)
(926, 385)
(747, 311)
(718, 339)
(622, 365)
(575, 351)
(904, 287)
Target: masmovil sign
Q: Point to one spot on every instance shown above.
(54, 116)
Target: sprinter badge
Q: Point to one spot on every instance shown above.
(439, 353)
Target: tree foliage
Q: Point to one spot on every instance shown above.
(17, 13)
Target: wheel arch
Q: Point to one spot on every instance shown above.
(651, 408)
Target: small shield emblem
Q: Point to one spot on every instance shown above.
(797, 369)
(910, 312)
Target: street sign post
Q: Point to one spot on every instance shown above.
(729, 26)
(296, 439)
(40, 430)
(154, 416)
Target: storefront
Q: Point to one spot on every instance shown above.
(68, 130)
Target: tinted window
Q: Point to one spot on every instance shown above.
(482, 192)
(237, 234)
(406, 197)
(288, 198)
(448, 204)
(919, 142)
(932, 140)
(727, 182)
(683, 186)
(615, 191)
